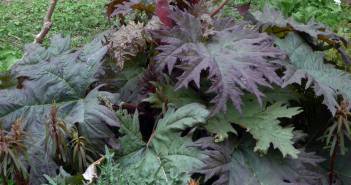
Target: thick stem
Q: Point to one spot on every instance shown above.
(47, 23)
(219, 8)
(333, 162)
(4, 178)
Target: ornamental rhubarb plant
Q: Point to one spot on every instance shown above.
(174, 93)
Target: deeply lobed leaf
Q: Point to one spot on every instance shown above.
(165, 149)
(240, 62)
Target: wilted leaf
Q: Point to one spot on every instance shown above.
(128, 41)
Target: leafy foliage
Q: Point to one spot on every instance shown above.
(221, 56)
(264, 126)
(55, 127)
(275, 21)
(80, 147)
(13, 146)
(235, 163)
(157, 152)
(327, 80)
(164, 96)
(66, 81)
(176, 127)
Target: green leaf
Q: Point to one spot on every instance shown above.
(327, 80)
(236, 164)
(175, 99)
(166, 147)
(34, 53)
(264, 126)
(221, 125)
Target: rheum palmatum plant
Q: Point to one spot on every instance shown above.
(181, 92)
(14, 152)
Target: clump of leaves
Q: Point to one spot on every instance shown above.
(13, 147)
(80, 146)
(112, 173)
(55, 128)
(338, 130)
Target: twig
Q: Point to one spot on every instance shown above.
(47, 23)
(220, 7)
(15, 37)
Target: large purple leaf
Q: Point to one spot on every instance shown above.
(237, 58)
(236, 164)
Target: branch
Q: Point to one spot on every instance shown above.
(47, 23)
(220, 7)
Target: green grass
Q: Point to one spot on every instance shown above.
(21, 20)
(10, 182)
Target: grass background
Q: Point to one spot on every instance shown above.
(21, 20)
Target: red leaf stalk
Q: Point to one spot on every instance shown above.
(331, 175)
(162, 13)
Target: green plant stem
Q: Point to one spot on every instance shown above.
(332, 164)
(4, 178)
